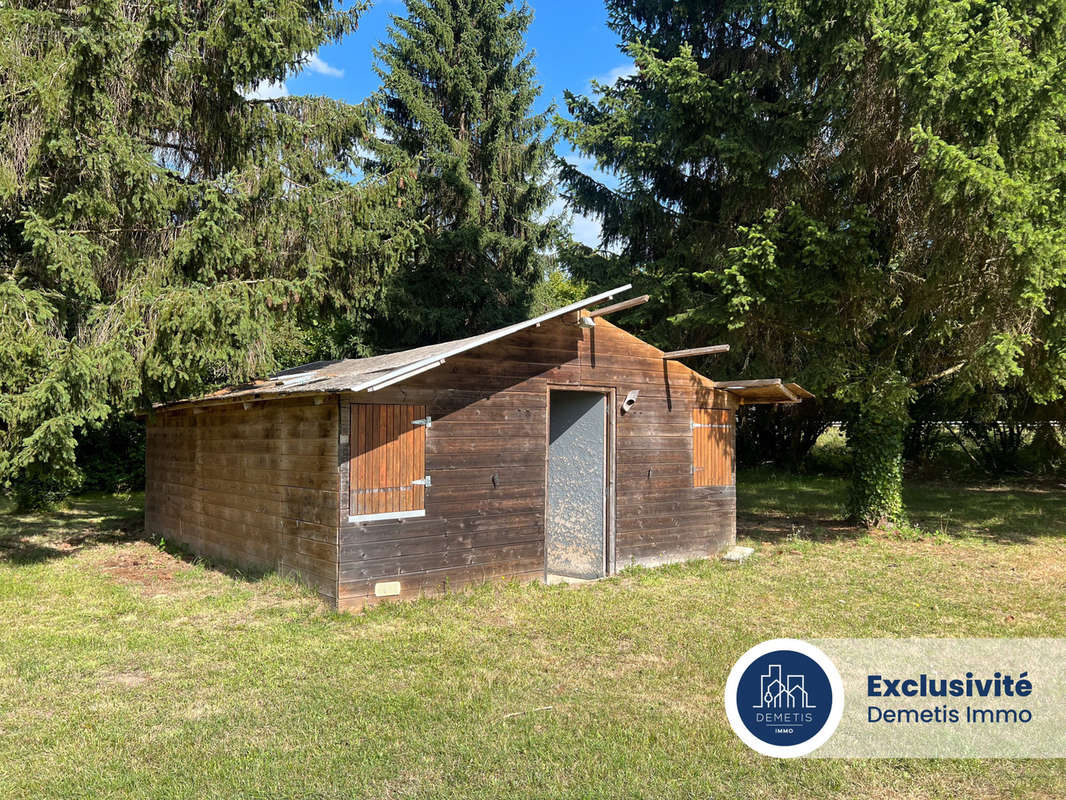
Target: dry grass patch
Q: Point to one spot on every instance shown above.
(144, 566)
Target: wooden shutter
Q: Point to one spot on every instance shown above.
(713, 447)
(388, 454)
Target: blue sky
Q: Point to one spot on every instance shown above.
(570, 39)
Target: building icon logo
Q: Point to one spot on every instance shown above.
(777, 693)
(784, 698)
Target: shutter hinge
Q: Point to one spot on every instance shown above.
(428, 422)
(426, 481)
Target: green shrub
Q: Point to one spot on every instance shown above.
(830, 455)
(111, 457)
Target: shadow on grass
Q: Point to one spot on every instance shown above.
(774, 507)
(775, 529)
(92, 520)
(777, 507)
(80, 522)
(1009, 513)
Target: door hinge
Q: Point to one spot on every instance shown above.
(713, 425)
(428, 422)
(426, 481)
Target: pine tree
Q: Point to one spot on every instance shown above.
(868, 197)
(458, 89)
(160, 231)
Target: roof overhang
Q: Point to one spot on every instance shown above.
(765, 391)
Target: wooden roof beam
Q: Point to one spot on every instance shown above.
(698, 351)
(636, 301)
(789, 393)
(799, 391)
(747, 384)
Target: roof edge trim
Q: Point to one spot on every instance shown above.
(429, 362)
(406, 373)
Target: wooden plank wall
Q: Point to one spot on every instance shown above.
(489, 416)
(252, 487)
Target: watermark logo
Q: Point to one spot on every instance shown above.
(789, 692)
(784, 698)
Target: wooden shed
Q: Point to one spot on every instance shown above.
(560, 447)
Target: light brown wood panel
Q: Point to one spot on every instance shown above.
(385, 568)
(713, 446)
(447, 445)
(444, 400)
(482, 478)
(488, 428)
(389, 455)
(484, 460)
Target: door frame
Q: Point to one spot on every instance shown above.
(609, 392)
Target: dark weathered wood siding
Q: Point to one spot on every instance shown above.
(268, 484)
(489, 410)
(255, 486)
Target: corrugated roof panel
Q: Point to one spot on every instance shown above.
(368, 374)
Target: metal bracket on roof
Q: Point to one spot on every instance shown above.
(428, 422)
(298, 379)
(397, 375)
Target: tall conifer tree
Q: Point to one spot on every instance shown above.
(458, 89)
(868, 196)
(161, 231)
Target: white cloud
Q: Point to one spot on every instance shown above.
(621, 71)
(268, 90)
(272, 90)
(584, 229)
(316, 64)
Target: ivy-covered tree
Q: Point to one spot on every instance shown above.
(868, 197)
(458, 89)
(161, 228)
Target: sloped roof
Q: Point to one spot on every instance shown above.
(377, 372)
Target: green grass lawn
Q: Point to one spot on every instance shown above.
(130, 672)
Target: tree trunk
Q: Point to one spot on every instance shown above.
(875, 437)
